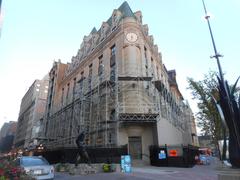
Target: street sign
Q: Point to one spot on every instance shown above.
(162, 155)
(173, 153)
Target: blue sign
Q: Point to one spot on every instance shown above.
(126, 164)
(162, 155)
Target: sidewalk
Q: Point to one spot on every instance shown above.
(198, 172)
(147, 172)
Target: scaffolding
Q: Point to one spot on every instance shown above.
(101, 103)
(92, 110)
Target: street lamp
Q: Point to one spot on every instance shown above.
(216, 54)
(227, 106)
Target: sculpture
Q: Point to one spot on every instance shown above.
(231, 111)
(82, 152)
(228, 105)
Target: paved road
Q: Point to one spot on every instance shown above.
(198, 172)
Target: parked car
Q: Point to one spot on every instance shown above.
(37, 167)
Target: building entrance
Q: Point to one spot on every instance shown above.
(135, 147)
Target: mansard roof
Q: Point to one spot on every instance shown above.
(94, 30)
(126, 10)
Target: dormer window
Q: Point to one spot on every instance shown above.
(145, 28)
(103, 32)
(141, 19)
(94, 41)
(115, 19)
(79, 55)
(138, 15)
(86, 49)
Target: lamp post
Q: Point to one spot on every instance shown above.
(227, 106)
(216, 54)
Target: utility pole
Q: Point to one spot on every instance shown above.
(216, 54)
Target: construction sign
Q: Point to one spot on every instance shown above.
(173, 153)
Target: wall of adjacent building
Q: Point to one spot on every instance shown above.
(168, 134)
(31, 111)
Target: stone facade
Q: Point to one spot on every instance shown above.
(8, 128)
(7, 133)
(118, 91)
(31, 114)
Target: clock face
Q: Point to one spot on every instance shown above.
(131, 37)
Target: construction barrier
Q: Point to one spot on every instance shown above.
(96, 154)
(173, 155)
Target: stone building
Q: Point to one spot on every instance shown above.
(7, 133)
(31, 114)
(8, 128)
(118, 91)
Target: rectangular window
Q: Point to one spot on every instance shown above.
(82, 75)
(113, 75)
(90, 77)
(146, 61)
(153, 68)
(90, 70)
(110, 138)
(113, 50)
(100, 65)
(158, 76)
(113, 56)
(62, 95)
(145, 54)
(74, 87)
(80, 85)
(68, 87)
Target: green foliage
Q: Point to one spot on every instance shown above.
(9, 170)
(62, 167)
(208, 118)
(2, 178)
(106, 168)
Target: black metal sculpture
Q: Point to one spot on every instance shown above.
(231, 111)
(228, 106)
(82, 154)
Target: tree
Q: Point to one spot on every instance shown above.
(208, 117)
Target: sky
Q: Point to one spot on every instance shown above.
(35, 33)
